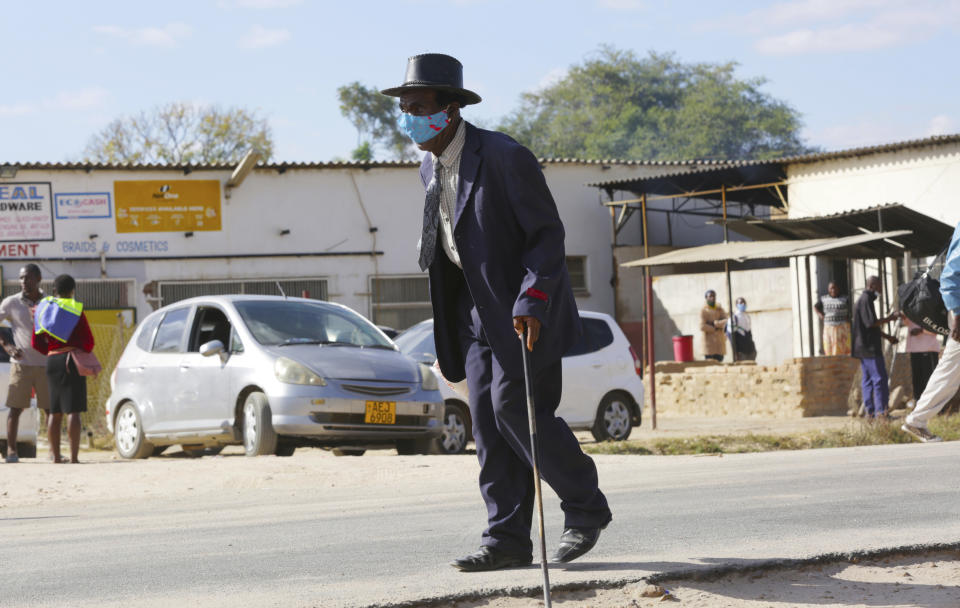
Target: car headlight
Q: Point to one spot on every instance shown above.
(428, 379)
(291, 372)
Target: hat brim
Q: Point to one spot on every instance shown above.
(469, 97)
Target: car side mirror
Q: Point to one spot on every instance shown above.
(213, 347)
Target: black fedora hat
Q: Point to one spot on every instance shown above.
(434, 71)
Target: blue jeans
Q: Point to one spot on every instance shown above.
(876, 386)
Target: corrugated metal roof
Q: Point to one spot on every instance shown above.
(687, 166)
(284, 166)
(741, 251)
(928, 235)
(709, 166)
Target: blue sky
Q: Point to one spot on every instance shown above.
(860, 72)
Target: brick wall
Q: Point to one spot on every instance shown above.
(817, 386)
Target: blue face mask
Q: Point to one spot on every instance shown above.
(742, 307)
(423, 128)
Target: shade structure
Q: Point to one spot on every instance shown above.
(742, 251)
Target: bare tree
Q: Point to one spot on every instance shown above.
(182, 133)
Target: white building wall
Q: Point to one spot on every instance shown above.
(341, 212)
(679, 298)
(924, 179)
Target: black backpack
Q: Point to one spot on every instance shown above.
(921, 302)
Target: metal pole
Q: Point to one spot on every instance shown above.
(535, 459)
(796, 267)
(615, 276)
(726, 266)
(651, 359)
(813, 344)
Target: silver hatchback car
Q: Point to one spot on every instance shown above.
(270, 373)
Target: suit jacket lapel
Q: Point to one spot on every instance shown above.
(469, 165)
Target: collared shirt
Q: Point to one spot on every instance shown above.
(866, 337)
(18, 309)
(450, 174)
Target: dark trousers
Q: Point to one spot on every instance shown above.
(921, 368)
(875, 385)
(498, 406)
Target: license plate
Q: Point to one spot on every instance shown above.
(381, 412)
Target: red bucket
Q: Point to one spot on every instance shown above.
(683, 348)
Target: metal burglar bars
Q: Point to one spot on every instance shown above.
(577, 268)
(94, 293)
(174, 291)
(400, 301)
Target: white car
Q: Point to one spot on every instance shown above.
(602, 389)
(29, 419)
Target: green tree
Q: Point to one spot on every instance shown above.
(182, 133)
(617, 105)
(375, 117)
(363, 152)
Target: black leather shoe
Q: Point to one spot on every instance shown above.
(490, 558)
(575, 542)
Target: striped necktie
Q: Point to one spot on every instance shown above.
(431, 217)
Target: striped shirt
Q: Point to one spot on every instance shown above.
(450, 174)
(836, 311)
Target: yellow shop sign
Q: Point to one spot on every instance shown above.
(167, 205)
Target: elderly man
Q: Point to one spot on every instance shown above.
(492, 242)
(869, 349)
(945, 380)
(712, 320)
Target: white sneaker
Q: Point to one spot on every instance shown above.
(920, 433)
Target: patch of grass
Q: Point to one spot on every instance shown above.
(858, 433)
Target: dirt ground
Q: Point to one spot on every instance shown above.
(927, 581)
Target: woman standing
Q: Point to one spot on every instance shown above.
(740, 331)
(60, 327)
(924, 349)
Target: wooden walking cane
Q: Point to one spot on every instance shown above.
(535, 451)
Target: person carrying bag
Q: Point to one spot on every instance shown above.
(921, 302)
(62, 333)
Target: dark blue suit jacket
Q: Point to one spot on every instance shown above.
(510, 240)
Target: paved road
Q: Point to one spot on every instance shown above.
(389, 540)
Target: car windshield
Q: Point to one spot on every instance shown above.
(286, 322)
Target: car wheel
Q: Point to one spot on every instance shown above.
(129, 436)
(613, 418)
(409, 447)
(26, 450)
(348, 451)
(456, 429)
(259, 438)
